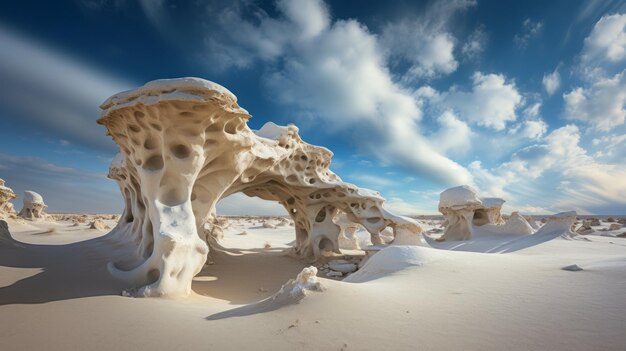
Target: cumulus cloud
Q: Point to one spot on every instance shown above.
(530, 29)
(335, 71)
(424, 42)
(58, 94)
(606, 44)
(601, 104)
(492, 102)
(453, 135)
(552, 81)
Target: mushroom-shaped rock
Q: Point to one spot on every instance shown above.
(184, 145)
(33, 206)
(457, 205)
(6, 195)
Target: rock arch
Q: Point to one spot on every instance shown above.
(184, 145)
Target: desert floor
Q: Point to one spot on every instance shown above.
(491, 293)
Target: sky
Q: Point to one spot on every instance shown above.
(523, 100)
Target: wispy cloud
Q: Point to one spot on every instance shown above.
(530, 30)
(58, 94)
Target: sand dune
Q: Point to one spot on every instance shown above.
(56, 294)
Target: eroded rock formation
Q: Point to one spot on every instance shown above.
(184, 145)
(464, 212)
(6, 195)
(458, 205)
(34, 206)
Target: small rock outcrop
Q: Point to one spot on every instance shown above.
(585, 228)
(6, 195)
(98, 225)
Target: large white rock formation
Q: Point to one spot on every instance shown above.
(184, 145)
(6, 195)
(465, 212)
(34, 206)
(458, 205)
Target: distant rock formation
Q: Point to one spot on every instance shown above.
(34, 206)
(184, 145)
(6, 195)
(464, 211)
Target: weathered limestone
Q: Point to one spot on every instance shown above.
(6, 195)
(458, 205)
(490, 213)
(466, 213)
(34, 206)
(184, 145)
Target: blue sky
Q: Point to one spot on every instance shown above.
(522, 99)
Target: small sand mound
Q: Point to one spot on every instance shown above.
(393, 259)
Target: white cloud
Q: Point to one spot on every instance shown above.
(610, 147)
(492, 102)
(601, 104)
(425, 42)
(429, 54)
(607, 41)
(475, 44)
(337, 72)
(584, 183)
(531, 128)
(530, 30)
(454, 135)
(552, 81)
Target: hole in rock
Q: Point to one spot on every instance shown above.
(325, 244)
(153, 163)
(180, 150)
(255, 264)
(231, 127)
(150, 143)
(321, 215)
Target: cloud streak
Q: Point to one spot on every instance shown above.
(57, 94)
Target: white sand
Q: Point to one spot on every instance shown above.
(56, 294)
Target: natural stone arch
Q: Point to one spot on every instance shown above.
(184, 145)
